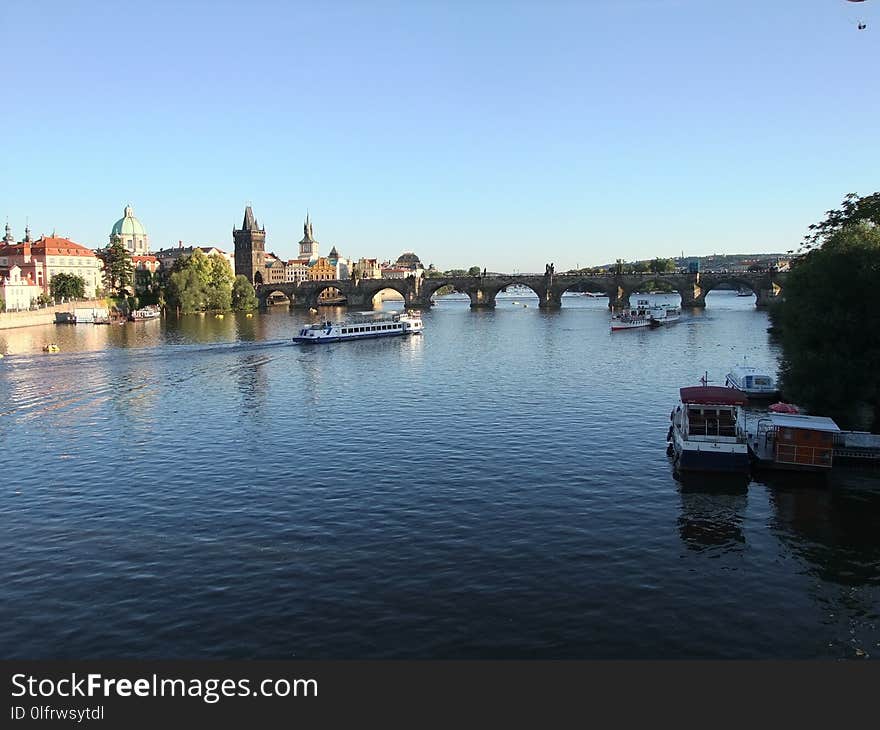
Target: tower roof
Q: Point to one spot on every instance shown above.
(128, 225)
(250, 222)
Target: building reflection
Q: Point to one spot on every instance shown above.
(836, 531)
(712, 510)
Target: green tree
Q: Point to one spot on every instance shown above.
(118, 269)
(456, 272)
(830, 327)
(186, 291)
(853, 209)
(474, 271)
(243, 296)
(661, 266)
(67, 286)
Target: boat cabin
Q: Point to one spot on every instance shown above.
(711, 412)
(786, 440)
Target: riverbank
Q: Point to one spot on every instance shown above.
(46, 315)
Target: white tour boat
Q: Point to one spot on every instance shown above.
(362, 326)
(632, 317)
(708, 431)
(661, 314)
(149, 312)
(753, 382)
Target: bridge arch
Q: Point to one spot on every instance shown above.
(370, 293)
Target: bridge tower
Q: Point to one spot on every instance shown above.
(250, 248)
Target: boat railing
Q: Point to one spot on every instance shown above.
(807, 455)
(713, 438)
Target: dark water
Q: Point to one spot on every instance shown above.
(495, 488)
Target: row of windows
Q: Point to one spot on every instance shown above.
(370, 328)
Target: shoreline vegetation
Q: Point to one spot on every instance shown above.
(826, 324)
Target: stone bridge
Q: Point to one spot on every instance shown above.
(482, 290)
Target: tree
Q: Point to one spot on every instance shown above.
(67, 286)
(118, 269)
(200, 282)
(243, 296)
(186, 291)
(2, 304)
(830, 327)
(853, 209)
(661, 266)
(474, 271)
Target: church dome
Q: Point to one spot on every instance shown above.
(128, 225)
(409, 259)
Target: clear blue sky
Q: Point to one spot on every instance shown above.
(498, 134)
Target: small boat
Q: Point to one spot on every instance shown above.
(784, 408)
(661, 314)
(362, 326)
(65, 318)
(632, 317)
(753, 382)
(708, 431)
(792, 441)
(51, 347)
(743, 292)
(150, 312)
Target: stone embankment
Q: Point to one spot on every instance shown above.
(46, 315)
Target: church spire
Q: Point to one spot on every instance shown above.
(8, 238)
(250, 223)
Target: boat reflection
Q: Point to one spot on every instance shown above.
(712, 509)
(835, 531)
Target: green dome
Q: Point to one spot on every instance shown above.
(128, 225)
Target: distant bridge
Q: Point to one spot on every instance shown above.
(482, 290)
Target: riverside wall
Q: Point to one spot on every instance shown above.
(46, 315)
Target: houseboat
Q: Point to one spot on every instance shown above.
(362, 326)
(632, 317)
(65, 318)
(755, 383)
(708, 431)
(792, 441)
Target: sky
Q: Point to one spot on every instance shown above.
(498, 134)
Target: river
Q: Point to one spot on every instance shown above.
(495, 488)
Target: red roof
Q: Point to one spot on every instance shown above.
(713, 395)
(49, 246)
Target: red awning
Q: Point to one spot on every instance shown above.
(713, 395)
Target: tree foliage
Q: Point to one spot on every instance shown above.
(661, 266)
(199, 282)
(853, 209)
(474, 271)
(243, 296)
(118, 269)
(830, 326)
(67, 286)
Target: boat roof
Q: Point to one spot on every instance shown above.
(712, 395)
(813, 423)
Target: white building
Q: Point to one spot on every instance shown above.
(296, 270)
(16, 291)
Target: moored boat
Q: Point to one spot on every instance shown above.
(755, 383)
(364, 325)
(792, 441)
(708, 431)
(149, 312)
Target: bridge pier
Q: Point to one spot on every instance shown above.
(766, 297)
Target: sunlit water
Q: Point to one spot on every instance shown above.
(498, 487)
